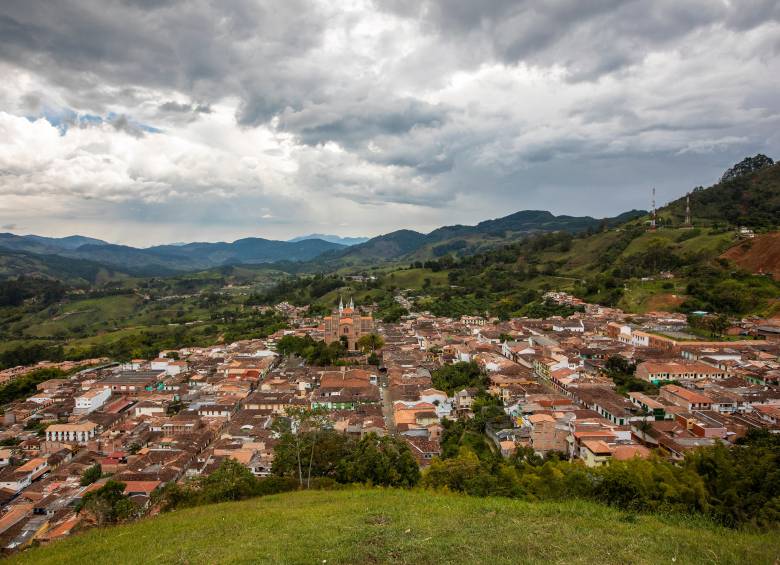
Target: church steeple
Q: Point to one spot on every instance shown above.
(351, 303)
(341, 304)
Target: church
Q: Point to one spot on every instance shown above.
(347, 323)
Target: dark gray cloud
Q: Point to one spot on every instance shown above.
(589, 39)
(121, 123)
(210, 49)
(353, 121)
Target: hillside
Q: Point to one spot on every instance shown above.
(750, 198)
(71, 271)
(393, 526)
(758, 255)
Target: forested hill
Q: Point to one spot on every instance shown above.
(748, 195)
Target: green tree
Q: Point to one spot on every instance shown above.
(326, 447)
(452, 378)
(370, 343)
(301, 430)
(109, 504)
(91, 474)
(384, 461)
(231, 481)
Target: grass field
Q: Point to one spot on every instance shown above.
(420, 527)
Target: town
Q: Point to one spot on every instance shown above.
(596, 386)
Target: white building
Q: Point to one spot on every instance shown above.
(92, 400)
(71, 433)
(569, 326)
(170, 366)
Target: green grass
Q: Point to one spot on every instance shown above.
(415, 278)
(420, 527)
(88, 313)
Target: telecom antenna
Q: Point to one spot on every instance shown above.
(688, 210)
(653, 217)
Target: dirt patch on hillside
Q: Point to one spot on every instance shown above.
(758, 255)
(664, 302)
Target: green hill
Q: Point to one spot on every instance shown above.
(748, 195)
(78, 272)
(394, 526)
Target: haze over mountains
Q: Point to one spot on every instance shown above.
(331, 238)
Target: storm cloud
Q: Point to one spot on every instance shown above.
(143, 121)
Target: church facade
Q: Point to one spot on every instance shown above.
(347, 323)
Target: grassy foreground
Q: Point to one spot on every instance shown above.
(392, 526)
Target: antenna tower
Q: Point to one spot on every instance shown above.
(653, 217)
(688, 210)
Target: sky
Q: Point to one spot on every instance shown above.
(152, 121)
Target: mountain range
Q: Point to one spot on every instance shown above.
(409, 245)
(164, 260)
(749, 197)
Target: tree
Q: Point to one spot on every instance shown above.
(91, 474)
(452, 378)
(109, 504)
(329, 447)
(746, 166)
(231, 481)
(718, 324)
(384, 461)
(301, 430)
(370, 343)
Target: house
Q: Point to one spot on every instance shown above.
(148, 408)
(424, 450)
(650, 406)
(655, 371)
(595, 453)
(546, 433)
(72, 433)
(171, 367)
(216, 410)
(21, 477)
(685, 398)
(133, 381)
(92, 400)
(464, 399)
(569, 326)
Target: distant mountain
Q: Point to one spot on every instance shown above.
(73, 271)
(249, 250)
(164, 260)
(331, 238)
(412, 245)
(40, 244)
(381, 248)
